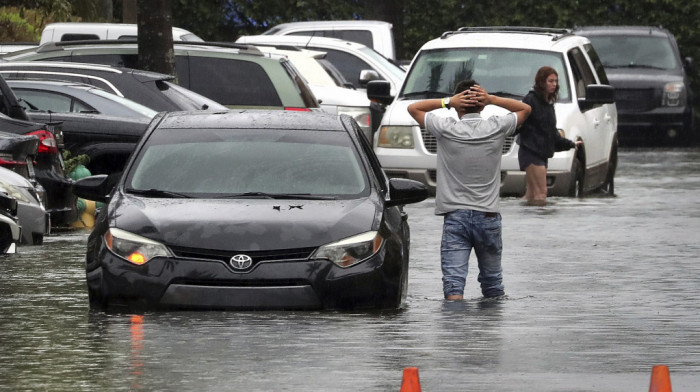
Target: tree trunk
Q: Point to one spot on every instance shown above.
(129, 11)
(155, 36)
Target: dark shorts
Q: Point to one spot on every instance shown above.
(526, 158)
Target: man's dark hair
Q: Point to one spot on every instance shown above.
(464, 85)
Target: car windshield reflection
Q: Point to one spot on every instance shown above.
(258, 163)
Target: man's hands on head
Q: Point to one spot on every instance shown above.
(476, 96)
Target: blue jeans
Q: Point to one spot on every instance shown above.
(463, 230)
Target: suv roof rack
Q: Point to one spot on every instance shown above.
(243, 48)
(556, 33)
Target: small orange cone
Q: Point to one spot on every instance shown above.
(660, 379)
(411, 382)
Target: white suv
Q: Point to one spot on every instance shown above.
(504, 61)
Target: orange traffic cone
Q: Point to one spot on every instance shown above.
(411, 382)
(660, 379)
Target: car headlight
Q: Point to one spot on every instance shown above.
(134, 248)
(352, 250)
(395, 137)
(674, 94)
(361, 114)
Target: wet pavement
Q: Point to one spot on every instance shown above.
(600, 290)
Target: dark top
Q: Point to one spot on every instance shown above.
(539, 132)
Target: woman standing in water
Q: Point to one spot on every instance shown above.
(539, 137)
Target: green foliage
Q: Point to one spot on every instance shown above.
(17, 25)
(71, 163)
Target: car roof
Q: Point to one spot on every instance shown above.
(302, 40)
(622, 30)
(254, 119)
(557, 40)
(63, 65)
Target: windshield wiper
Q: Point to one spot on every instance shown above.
(157, 193)
(264, 195)
(506, 94)
(633, 65)
(427, 94)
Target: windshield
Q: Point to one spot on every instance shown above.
(215, 163)
(396, 72)
(635, 51)
(504, 72)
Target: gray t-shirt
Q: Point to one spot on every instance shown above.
(469, 160)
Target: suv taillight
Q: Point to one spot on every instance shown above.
(298, 109)
(47, 142)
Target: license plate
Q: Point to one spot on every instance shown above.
(30, 167)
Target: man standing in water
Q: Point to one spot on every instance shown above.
(468, 182)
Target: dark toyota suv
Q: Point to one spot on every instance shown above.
(652, 90)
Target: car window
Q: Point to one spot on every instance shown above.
(583, 76)
(222, 162)
(124, 103)
(349, 65)
(597, 64)
(301, 86)
(362, 36)
(635, 51)
(232, 82)
(50, 101)
(79, 37)
(506, 72)
(366, 146)
(121, 60)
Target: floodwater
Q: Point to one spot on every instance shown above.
(600, 290)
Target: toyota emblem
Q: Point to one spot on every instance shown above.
(241, 262)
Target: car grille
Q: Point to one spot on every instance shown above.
(635, 100)
(430, 142)
(299, 254)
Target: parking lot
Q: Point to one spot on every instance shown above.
(599, 289)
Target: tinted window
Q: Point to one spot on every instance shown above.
(78, 37)
(121, 60)
(362, 36)
(265, 160)
(47, 100)
(635, 51)
(583, 76)
(232, 82)
(350, 66)
(597, 64)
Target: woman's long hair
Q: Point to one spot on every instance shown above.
(541, 83)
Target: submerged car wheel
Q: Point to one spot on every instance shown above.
(578, 176)
(609, 185)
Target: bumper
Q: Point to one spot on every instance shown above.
(211, 284)
(658, 125)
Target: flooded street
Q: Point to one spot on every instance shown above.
(600, 290)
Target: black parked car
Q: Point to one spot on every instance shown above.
(652, 89)
(250, 209)
(154, 90)
(48, 163)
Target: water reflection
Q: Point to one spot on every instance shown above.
(599, 291)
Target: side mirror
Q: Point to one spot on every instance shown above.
(379, 91)
(688, 64)
(597, 94)
(368, 75)
(17, 112)
(403, 191)
(95, 188)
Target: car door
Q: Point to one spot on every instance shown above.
(594, 130)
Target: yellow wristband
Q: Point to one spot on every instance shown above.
(446, 102)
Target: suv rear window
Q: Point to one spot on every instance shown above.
(232, 82)
(362, 36)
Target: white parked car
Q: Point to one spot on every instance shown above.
(504, 61)
(358, 63)
(76, 31)
(332, 98)
(375, 34)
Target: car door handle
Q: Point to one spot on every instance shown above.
(608, 118)
(596, 122)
